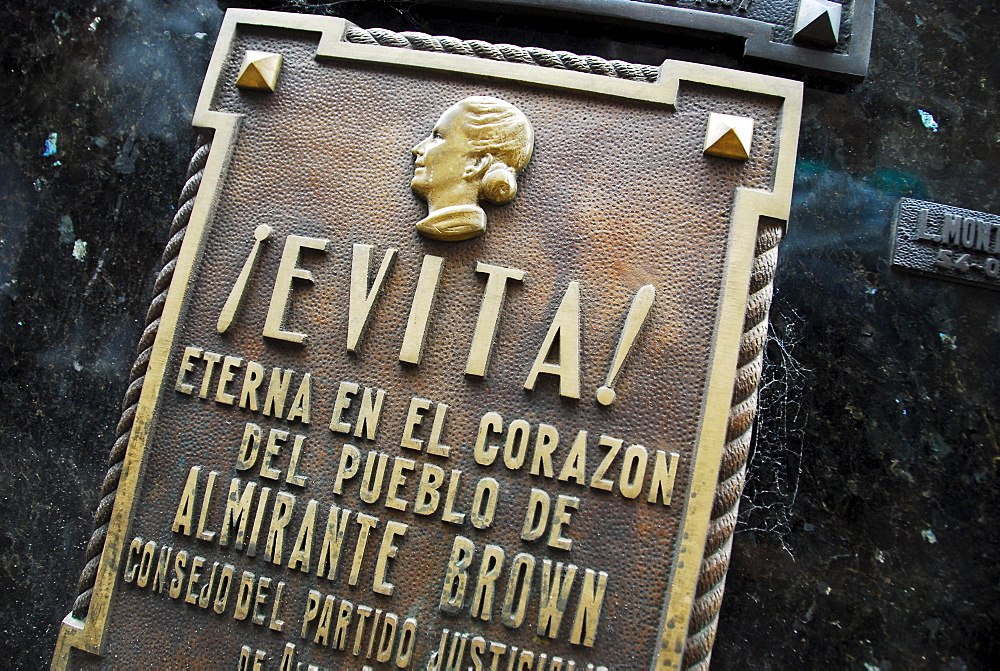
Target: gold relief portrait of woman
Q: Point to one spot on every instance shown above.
(475, 152)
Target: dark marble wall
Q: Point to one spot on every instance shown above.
(113, 85)
(868, 537)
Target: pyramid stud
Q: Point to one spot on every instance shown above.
(817, 22)
(259, 71)
(729, 136)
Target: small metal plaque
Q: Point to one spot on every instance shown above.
(832, 36)
(445, 370)
(947, 242)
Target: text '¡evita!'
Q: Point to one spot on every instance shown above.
(558, 355)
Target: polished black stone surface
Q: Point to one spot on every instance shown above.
(869, 528)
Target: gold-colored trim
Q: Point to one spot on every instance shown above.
(750, 204)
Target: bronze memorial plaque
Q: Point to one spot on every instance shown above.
(446, 372)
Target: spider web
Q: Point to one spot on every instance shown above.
(774, 467)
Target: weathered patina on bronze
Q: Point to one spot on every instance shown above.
(360, 446)
(947, 242)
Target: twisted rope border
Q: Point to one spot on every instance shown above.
(510, 53)
(732, 473)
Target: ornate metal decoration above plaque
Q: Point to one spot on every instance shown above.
(832, 36)
(359, 446)
(947, 242)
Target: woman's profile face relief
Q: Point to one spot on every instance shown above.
(443, 156)
(474, 152)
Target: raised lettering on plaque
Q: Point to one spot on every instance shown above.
(444, 373)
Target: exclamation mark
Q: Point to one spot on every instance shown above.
(260, 234)
(633, 322)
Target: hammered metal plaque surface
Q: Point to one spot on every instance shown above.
(444, 373)
(947, 242)
(832, 36)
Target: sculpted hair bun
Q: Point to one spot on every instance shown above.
(499, 184)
